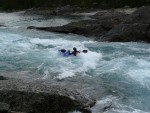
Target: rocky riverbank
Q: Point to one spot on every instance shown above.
(35, 97)
(124, 25)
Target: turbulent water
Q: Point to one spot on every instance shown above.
(116, 74)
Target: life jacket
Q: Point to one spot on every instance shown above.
(75, 53)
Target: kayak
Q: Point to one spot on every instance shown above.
(65, 53)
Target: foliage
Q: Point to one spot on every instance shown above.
(24, 4)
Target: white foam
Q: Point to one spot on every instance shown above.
(69, 66)
(125, 111)
(111, 104)
(86, 14)
(66, 73)
(103, 103)
(60, 43)
(14, 44)
(141, 72)
(90, 59)
(79, 64)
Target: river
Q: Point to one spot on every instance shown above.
(116, 74)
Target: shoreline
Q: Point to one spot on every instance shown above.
(113, 25)
(49, 98)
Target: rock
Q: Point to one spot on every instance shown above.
(4, 108)
(140, 16)
(37, 98)
(2, 78)
(2, 25)
(31, 27)
(84, 27)
(135, 28)
(16, 112)
(90, 28)
(127, 33)
(110, 25)
(64, 10)
(111, 15)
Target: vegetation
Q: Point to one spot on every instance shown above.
(24, 4)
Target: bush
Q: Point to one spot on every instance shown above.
(24, 4)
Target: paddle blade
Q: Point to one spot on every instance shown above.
(85, 51)
(62, 50)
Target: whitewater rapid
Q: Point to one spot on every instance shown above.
(117, 74)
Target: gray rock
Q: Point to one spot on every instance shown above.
(59, 11)
(110, 15)
(4, 108)
(110, 26)
(38, 98)
(91, 28)
(2, 25)
(84, 27)
(127, 33)
(140, 16)
(135, 28)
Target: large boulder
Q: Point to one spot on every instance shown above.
(110, 26)
(90, 28)
(135, 28)
(141, 16)
(111, 15)
(103, 22)
(35, 97)
(127, 33)
(84, 27)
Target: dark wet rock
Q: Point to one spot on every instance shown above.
(1, 25)
(3, 78)
(4, 108)
(135, 28)
(140, 16)
(66, 10)
(111, 15)
(38, 98)
(84, 27)
(31, 27)
(91, 28)
(113, 26)
(59, 11)
(127, 33)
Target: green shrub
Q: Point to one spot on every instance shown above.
(24, 4)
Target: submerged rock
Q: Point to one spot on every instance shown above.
(2, 25)
(3, 78)
(37, 98)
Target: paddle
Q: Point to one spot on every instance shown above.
(63, 50)
(84, 51)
